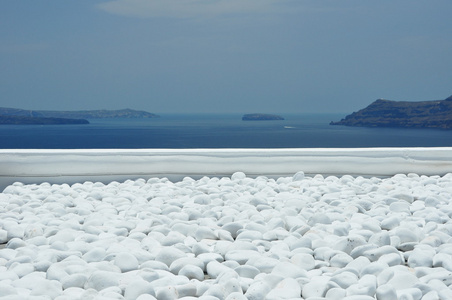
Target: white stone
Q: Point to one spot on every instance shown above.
(288, 288)
(204, 232)
(50, 288)
(236, 296)
(347, 244)
(100, 280)
(390, 223)
(374, 268)
(289, 270)
(136, 288)
(186, 290)
(406, 235)
(23, 269)
(166, 293)
(344, 279)
(232, 227)
(340, 260)
(192, 272)
(316, 287)
(303, 260)
(375, 254)
(262, 263)
(249, 235)
(403, 280)
(208, 257)
(420, 258)
(380, 239)
(257, 290)
(392, 259)
(432, 295)
(335, 293)
(240, 256)
(3, 236)
(238, 176)
(262, 286)
(126, 262)
(74, 280)
(298, 176)
(214, 269)
(247, 271)
(179, 263)
(358, 264)
(7, 290)
(146, 297)
(386, 292)
(15, 243)
(169, 254)
(95, 254)
(409, 293)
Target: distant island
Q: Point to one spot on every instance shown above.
(47, 117)
(261, 117)
(22, 120)
(405, 114)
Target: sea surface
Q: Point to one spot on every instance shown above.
(216, 131)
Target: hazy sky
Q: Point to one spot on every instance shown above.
(223, 55)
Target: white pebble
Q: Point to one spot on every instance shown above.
(238, 176)
(386, 292)
(126, 262)
(192, 272)
(168, 255)
(100, 280)
(288, 288)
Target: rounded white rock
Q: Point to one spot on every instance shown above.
(386, 292)
(420, 258)
(100, 280)
(168, 255)
(298, 176)
(316, 287)
(241, 256)
(192, 272)
(304, 260)
(126, 262)
(288, 288)
(236, 296)
(238, 176)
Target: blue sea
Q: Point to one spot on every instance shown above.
(216, 131)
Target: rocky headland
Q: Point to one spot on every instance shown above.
(407, 114)
(261, 117)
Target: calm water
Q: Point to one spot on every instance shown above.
(215, 131)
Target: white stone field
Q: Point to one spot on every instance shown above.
(214, 238)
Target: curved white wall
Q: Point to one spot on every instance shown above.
(117, 164)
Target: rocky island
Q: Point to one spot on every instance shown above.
(407, 114)
(46, 117)
(261, 117)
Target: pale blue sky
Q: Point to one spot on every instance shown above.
(223, 56)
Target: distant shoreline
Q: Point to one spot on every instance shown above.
(14, 116)
(22, 120)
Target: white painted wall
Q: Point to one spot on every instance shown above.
(70, 166)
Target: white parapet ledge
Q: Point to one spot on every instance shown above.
(50, 165)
